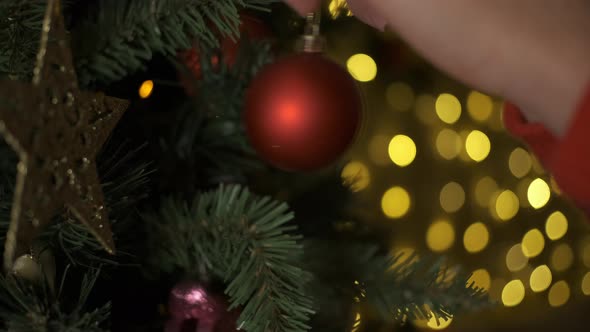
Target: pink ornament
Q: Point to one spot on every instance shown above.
(194, 309)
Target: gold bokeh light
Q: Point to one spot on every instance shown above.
(506, 205)
(513, 293)
(556, 226)
(339, 7)
(515, 258)
(520, 162)
(586, 284)
(448, 108)
(356, 175)
(479, 106)
(440, 236)
(378, 150)
(400, 96)
(448, 144)
(484, 190)
(478, 145)
(533, 243)
(452, 197)
(541, 278)
(402, 150)
(562, 257)
(438, 324)
(559, 294)
(396, 202)
(481, 278)
(539, 193)
(146, 89)
(362, 67)
(476, 237)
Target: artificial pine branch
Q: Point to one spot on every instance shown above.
(30, 307)
(246, 241)
(126, 34)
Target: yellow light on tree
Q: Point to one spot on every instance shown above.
(479, 106)
(481, 278)
(513, 293)
(520, 162)
(533, 243)
(402, 150)
(452, 197)
(478, 145)
(396, 202)
(559, 294)
(448, 144)
(562, 257)
(476, 237)
(586, 284)
(356, 175)
(515, 258)
(362, 67)
(539, 193)
(507, 205)
(400, 96)
(146, 89)
(448, 108)
(440, 236)
(356, 325)
(541, 278)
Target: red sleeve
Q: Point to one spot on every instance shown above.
(568, 158)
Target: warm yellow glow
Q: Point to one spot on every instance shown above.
(507, 205)
(378, 147)
(448, 108)
(539, 193)
(400, 96)
(515, 259)
(438, 324)
(484, 190)
(562, 257)
(559, 294)
(146, 89)
(479, 106)
(339, 7)
(440, 236)
(533, 243)
(478, 145)
(520, 162)
(448, 144)
(362, 67)
(476, 237)
(586, 284)
(541, 278)
(357, 323)
(425, 109)
(396, 202)
(402, 150)
(513, 293)
(481, 278)
(452, 197)
(356, 175)
(403, 255)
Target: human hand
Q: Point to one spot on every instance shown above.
(535, 55)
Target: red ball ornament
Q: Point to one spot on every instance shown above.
(302, 112)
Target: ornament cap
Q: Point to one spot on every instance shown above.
(312, 41)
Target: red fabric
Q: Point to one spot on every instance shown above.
(568, 159)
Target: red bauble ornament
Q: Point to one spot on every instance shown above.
(302, 112)
(193, 308)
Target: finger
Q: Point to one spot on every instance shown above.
(304, 6)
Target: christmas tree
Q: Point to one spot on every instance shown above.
(162, 212)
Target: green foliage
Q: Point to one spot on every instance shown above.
(246, 241)
(126, 34)
(29, 307)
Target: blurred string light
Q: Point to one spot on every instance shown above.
(520, 162)
(362, 67)
(513, 293)
(378, 150)
(478, 145)
(533, 243)
(425, 107)
(476, 237)
(479, 106)
(440, 236)
(448, 108)
(356, 325)
(438, 324)
(145, 89)
(448, 144)
(396, 202)
(356, 175)
(402, 150)
(562, 257)
(452, 197)
(556, 226)
(400, 96)
(559, 294)
(506, 205)
(339, 7)
(541, 278)
(539, 193)
(484, 190)
(515, 259)
(481, 278)
(586, 284)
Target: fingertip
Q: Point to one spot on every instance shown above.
(304, 7)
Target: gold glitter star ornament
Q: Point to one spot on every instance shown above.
(57, 131)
